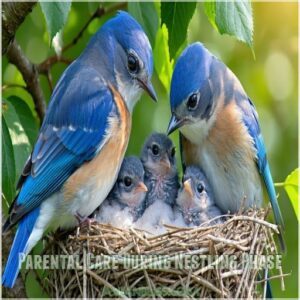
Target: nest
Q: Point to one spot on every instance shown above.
(131, 263)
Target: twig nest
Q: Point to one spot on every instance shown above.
(202, 262)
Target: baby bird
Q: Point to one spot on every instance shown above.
(161, 179)
(195, 199)
(125, 203)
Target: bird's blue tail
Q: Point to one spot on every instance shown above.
(20, 241)
(269, 294)
(275, 206)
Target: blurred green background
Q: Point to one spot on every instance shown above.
(270, 80)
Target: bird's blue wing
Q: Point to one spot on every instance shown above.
(74, 129)
(250, 119)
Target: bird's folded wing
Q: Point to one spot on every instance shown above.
(74, 130)
(250, 119)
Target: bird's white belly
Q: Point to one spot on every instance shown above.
(89, 196)
(234, 182)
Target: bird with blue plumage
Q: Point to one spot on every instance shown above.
(220, 132)
(83, 138)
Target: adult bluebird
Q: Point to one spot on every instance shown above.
(220, 132)
(125, 203)
(83, 138)
(195, 199)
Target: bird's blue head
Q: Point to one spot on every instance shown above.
(191, 95)
(129, 50)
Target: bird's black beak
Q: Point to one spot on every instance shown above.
(174, 124)
(148, 87)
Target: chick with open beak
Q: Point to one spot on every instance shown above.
(195, 199)
(125, 203)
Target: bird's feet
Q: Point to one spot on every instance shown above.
(84, 221)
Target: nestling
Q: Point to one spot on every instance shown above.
(161, 179)
(125, 203)
(195, 199)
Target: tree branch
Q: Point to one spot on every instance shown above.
(46, 65)
(30, 75)
(13, 15)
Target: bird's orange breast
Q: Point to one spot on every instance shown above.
(102, 171)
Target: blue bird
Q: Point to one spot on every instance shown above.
(195, 199)
(125, 203)
(220, 132)
(83, 138)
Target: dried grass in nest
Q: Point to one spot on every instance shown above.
(246, 232)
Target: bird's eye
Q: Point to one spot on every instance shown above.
(173, 151)
(155, 149)
(127, 181)
(133, 63)
(193, 101)
(200, 188)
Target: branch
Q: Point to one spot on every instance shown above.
(46, 65)
(13, 15)
(30, 76)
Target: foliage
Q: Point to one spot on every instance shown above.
(8, 167)
(177, 17)
(169, 26)
(56, 14)
(163, 64)
(291, 186)
(232, 17)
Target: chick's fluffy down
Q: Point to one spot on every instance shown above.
(114, 215)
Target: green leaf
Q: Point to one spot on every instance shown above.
(20, 141)
(56, 14)
(28, 121)
(291, 186)
(145, 13)
(210, 11)
(8, 166)
(177, 16)
(162, 62)
(233, 18)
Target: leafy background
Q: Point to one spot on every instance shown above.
(267, 70)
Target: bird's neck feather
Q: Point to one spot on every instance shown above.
(225, 90)
(130, 92)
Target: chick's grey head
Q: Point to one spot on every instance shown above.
(130, 190)
(195, 195)
(158, 155)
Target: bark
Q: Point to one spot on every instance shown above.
(13, 15)
(30, 75)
